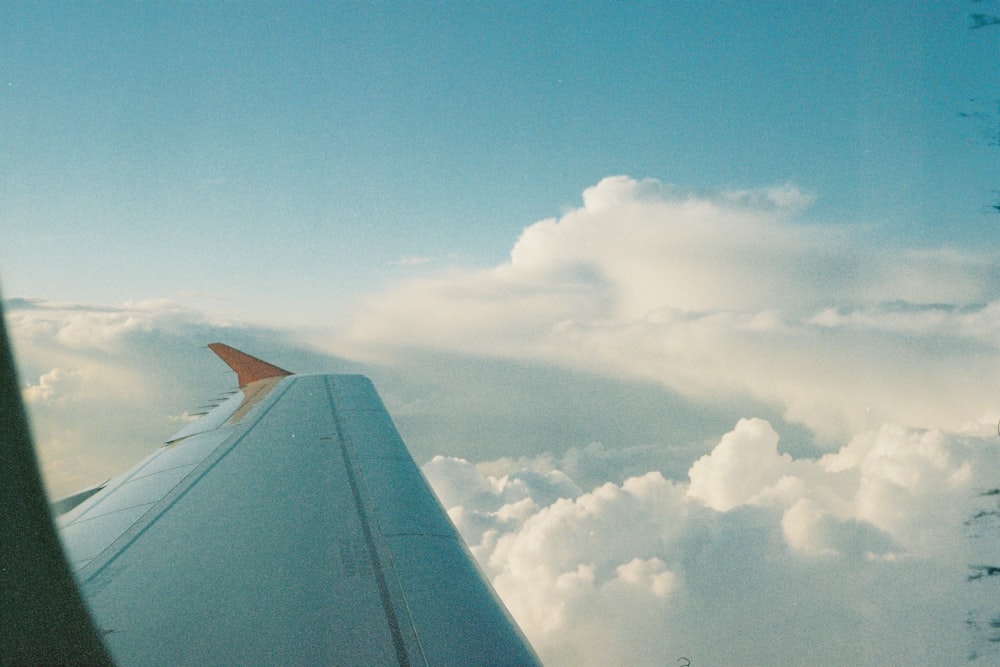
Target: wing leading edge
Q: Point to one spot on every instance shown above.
(289, 525)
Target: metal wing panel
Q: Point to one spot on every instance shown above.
(83, 542)
(95, 524)
(299, 531)
(457, 617)
(404, 502)
(212, 420)
(255, 561)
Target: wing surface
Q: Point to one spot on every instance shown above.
(287, 526)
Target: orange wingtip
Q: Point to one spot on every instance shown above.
(248, 369)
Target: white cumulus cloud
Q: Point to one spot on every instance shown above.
(858, 556)
(720, 294)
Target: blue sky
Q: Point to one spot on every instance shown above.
(701, 297)
(151, 150)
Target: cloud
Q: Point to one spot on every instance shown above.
(412, 260)
(105, 385)
(720, 294)
(854, 557)
(745, 555)
(676, 423)
(54, 385)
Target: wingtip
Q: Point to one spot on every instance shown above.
(248, 368)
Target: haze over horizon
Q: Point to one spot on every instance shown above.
(690, 312)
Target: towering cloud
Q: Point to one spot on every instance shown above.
(722, 294)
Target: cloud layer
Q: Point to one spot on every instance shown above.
(104, 386)
(758, 558)
(721, 294)
(674, 424)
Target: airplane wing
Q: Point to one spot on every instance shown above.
(289, 525)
